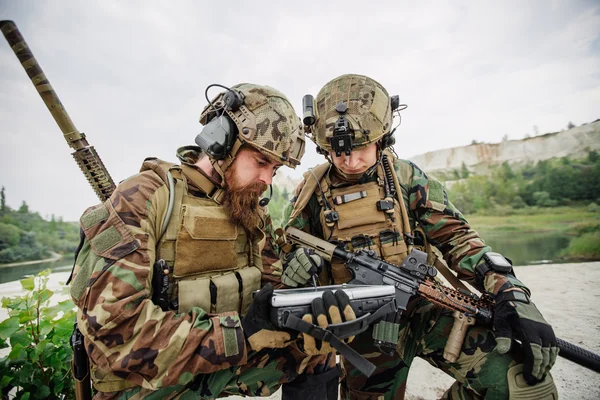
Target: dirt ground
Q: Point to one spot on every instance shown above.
(567, 296)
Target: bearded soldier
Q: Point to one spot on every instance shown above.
(166, 270)
(365, 197)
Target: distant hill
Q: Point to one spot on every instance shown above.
(575, 143)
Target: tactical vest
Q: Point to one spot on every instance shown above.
(213, 263)
(362, 216)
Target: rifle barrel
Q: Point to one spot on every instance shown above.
(85, 155)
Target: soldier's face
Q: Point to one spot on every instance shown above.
(252, 167)
(358, 161)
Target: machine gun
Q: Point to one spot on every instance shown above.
(415, 278)
(89, 162)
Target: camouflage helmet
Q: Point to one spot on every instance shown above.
(369, 111)
(265, 120)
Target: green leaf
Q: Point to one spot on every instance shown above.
(63, 327)
(17, 353)
(45, 327)
(26, 396)
(66, 306)
(28, 283)
(22, 338)
(4, 382)
(8, 327)
(42, 392)
(44, 295)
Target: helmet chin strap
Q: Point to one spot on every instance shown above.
(222, 165)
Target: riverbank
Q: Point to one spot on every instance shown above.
(55, 257)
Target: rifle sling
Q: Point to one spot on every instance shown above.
(335, 333)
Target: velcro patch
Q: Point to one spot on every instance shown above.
(230, 342)
(106, 239)
(94, 217)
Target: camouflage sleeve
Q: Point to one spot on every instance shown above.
(126, 334)
(446, 228)
(272, 265)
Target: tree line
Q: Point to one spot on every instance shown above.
(26, 236)
(547, 183)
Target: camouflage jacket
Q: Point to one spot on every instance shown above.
(126, 335)
(428, 206)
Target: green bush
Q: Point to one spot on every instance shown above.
(586, 246)
(593, 208)
(39, 362)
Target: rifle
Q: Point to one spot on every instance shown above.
(415, 278)
(89, 162)
(85, 155)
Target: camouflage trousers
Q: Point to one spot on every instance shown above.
(262, 375)
(480, 372)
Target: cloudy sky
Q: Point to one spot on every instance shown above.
(132, 74)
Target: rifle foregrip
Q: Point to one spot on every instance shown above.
(457, 335)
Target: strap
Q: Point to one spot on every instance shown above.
(450, 277)
(311, 181)
(213, 191)
(336, 332)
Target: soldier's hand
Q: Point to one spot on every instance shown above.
(330, 309)
(516, 317)
(258, 329)
(300, 266)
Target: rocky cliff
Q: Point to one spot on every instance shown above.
(575, 143)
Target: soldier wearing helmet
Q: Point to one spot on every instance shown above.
(365, 197)
(165, 273)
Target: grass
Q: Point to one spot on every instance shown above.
(567, 220)
(586, 246)
(580, 224)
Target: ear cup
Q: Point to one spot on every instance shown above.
(217, 137)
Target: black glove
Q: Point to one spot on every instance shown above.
(516, 317)
(258, 329)
(329, 309)
(300, 266)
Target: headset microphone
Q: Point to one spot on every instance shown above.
(265, 200)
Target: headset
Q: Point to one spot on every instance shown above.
(220, 131)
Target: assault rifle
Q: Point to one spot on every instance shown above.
(413, 277)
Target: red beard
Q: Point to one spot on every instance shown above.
(241, 202)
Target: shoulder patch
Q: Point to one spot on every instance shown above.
(436, 195)
(94, 216)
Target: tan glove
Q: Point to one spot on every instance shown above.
(330, 309)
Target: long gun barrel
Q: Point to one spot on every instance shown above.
(414, 277)
(85, 155)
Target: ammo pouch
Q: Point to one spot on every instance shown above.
(216, 265)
